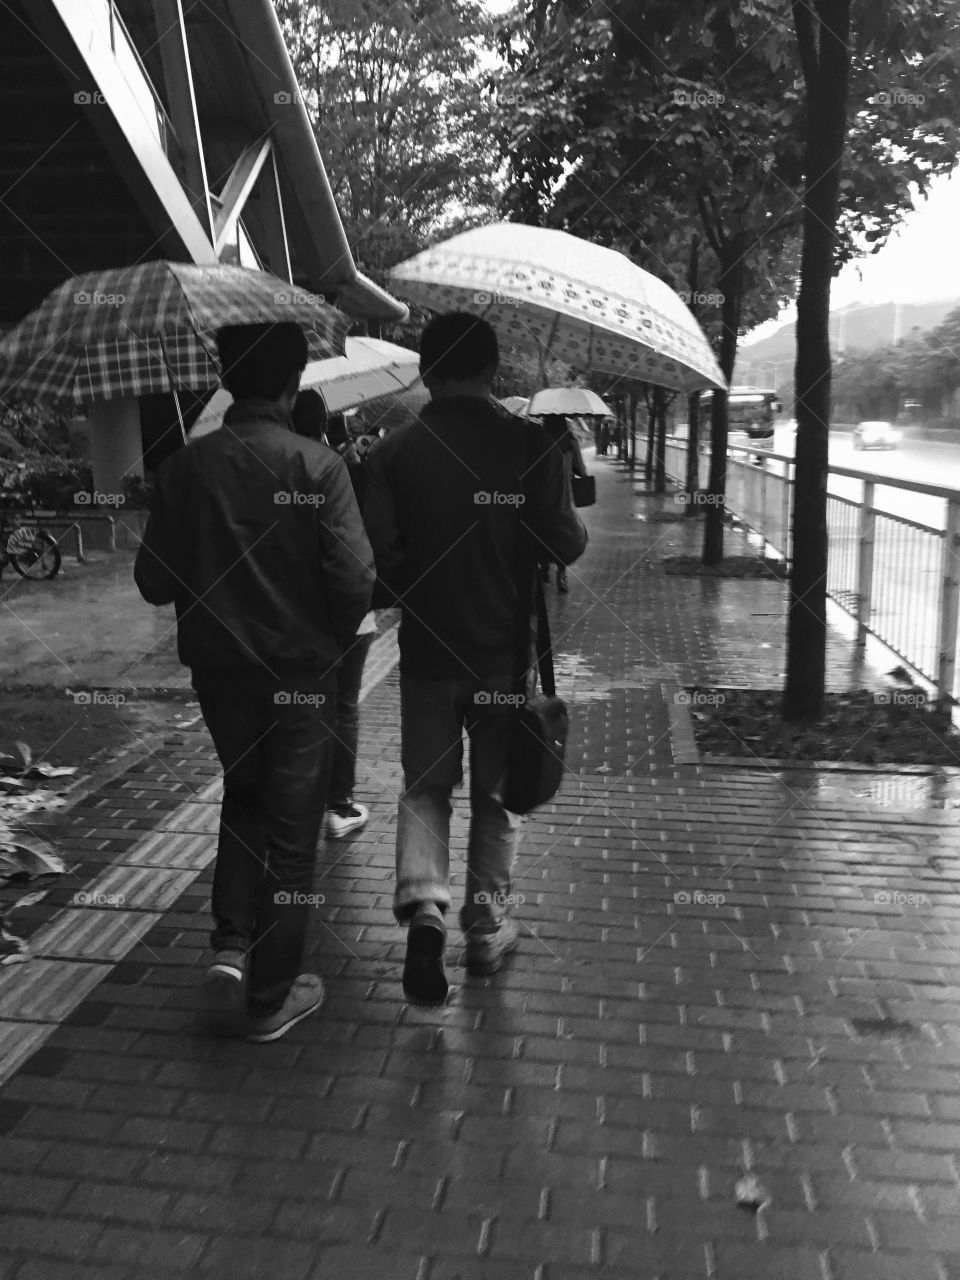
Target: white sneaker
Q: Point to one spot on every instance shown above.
(341, 819)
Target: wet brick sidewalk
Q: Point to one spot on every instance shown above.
(721, 970)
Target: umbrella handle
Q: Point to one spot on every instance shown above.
(173, 387)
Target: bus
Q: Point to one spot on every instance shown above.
(751, 413)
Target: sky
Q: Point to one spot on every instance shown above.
(919, 262)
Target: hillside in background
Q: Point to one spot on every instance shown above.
(770, 361)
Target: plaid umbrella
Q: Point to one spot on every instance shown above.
(134, 331)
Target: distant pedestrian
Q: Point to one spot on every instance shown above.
(449, 497)
(568, 446)
(256, 536)
(343, 814)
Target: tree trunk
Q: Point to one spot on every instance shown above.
(660, 452)
(632, 442)
(825, 56)
(731, 287)
(649, 402)
(693, 453)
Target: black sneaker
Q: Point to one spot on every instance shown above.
(424, 981)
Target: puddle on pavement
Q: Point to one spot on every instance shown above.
(577, 680)
(907, 792)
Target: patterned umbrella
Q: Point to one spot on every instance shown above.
(563, 296)
(575, 401)
(133, 331)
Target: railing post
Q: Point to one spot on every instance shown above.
(763, 510)
(786, 549)
(868, 526)
(949, 601)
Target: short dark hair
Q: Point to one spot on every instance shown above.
(309, 414)
(456, 346)
(258, 360)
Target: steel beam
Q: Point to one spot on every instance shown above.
(236, 189)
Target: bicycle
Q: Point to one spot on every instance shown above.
(32, 551)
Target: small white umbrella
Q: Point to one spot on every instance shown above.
(516, 404)
(370, 370)
(557, 294)
(576, 401)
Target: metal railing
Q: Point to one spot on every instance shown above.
(897, 577)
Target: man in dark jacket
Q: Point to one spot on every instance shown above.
(449, 497)
(256, 536)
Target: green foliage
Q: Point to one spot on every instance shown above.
(393, 90)
(924, 367)
(29, 432)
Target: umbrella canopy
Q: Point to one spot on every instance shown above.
(569, 400)
(558, 294)
(370, 370)
(134, 331)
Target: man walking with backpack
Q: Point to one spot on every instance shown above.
(256, 536)
(449, 498)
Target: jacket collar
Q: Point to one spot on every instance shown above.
(255, 413)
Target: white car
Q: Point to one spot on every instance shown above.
(875, 435)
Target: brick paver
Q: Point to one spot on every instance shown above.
(707, 984)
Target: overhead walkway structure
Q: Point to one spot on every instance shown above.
(139, 129)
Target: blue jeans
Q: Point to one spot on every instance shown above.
(433, 715)
(276, 758)
(343, 771)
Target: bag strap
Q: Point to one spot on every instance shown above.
(527, 571)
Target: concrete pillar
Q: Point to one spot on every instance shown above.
(116, 444)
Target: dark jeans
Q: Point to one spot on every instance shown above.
(276, 759)
(343, 772)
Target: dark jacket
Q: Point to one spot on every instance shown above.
(446, 503)
(256, 536)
